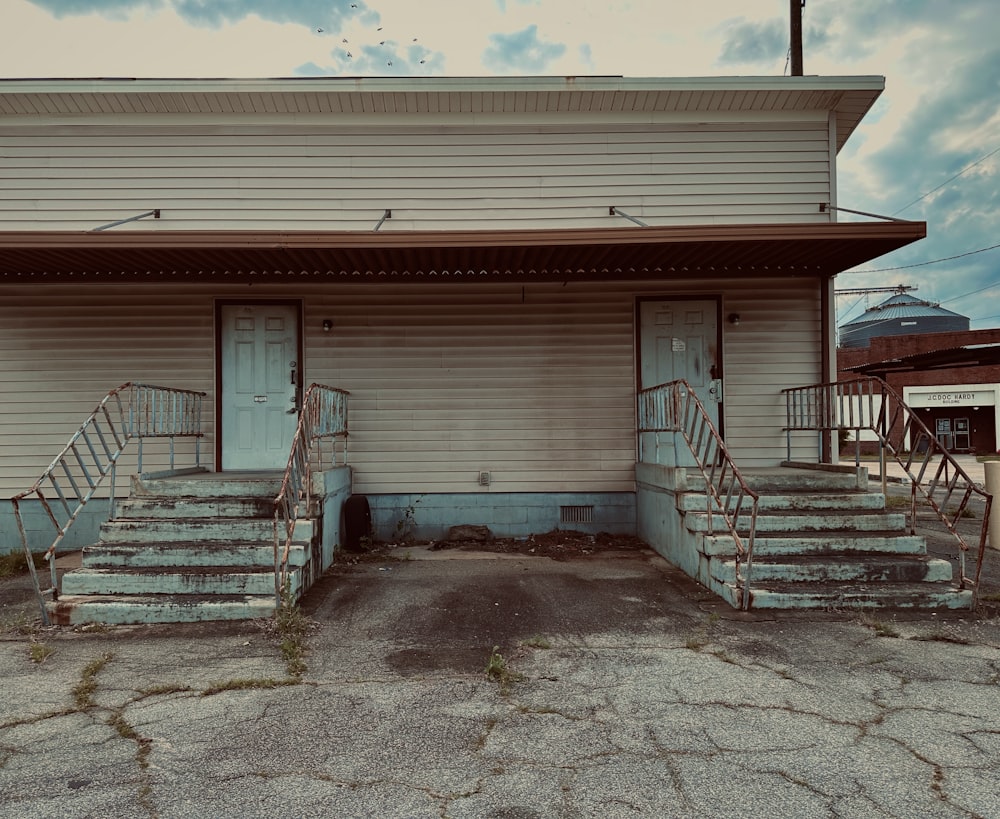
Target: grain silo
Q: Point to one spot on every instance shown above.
(900, 315)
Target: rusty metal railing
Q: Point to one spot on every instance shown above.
(675, 408)
(870, 404)
(323, 417)
(130, 411)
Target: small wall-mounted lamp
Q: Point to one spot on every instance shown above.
(734, 319)
(327, 325)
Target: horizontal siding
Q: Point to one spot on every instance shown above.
(535, 384)
(303, 176)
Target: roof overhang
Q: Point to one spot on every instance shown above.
(847, 99)
(604, 253)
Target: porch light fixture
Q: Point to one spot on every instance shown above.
(734, 319)
(327, 325)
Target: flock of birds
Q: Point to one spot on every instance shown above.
(348, 55)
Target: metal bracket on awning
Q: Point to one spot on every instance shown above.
(154, 213)
(386, 215)
(613, 211)
(825, 206)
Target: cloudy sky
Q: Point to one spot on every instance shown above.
(930, 149)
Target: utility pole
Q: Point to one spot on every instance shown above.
(796, 7)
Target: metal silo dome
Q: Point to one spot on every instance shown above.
(900, 315)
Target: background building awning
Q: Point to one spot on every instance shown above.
(605, 253)
(969, 355)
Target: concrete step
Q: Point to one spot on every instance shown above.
(225, 580)
(211, 485)
(810, 543)
(798, 522)
(71, 610)
(159, 506)
(839, 569)
(799, 501)
(859, 596)
(205, 553)
(169, 530)
(785, 479)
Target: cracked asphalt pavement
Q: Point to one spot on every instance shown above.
(619, 689)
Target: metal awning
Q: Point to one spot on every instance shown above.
(969, 355)
(601, 253)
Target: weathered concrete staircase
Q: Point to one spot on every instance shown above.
(184, 549)
(824, 541)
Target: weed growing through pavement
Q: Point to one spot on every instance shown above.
(83, 693)
(39, 652)
(245, 684)
(942, 635)
(880, 627)
(537, 641)
(498, 671)
(289, 628)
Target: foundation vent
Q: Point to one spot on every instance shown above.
(576, 514)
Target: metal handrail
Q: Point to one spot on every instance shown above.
(323, 416)
(674, 407)
(872, 405)
(133, 410)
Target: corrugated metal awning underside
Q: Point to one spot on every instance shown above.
(595, 254)
(970, 355)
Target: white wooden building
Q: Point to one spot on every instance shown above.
(491, 267)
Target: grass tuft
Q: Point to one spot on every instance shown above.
(498, 670)
(246, 684)
(14, 564)
(39, 652)
(880, 627)
(537, 641)
(83, 693)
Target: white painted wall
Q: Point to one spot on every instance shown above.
(535, 383)
(433, 172)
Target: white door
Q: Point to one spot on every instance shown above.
(259, 384)
(680, 340)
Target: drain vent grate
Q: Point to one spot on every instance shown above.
(576, 514)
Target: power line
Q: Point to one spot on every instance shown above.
(950, 179)
(973, 293)
(920, 264)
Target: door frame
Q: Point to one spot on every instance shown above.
(299, 355)
(717, 298)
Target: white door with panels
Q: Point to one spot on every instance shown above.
(260, 377)
(679, 339)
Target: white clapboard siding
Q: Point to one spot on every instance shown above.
(64, 346)
(534, 383)
(301, 175)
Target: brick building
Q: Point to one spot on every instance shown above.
(952, 378)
